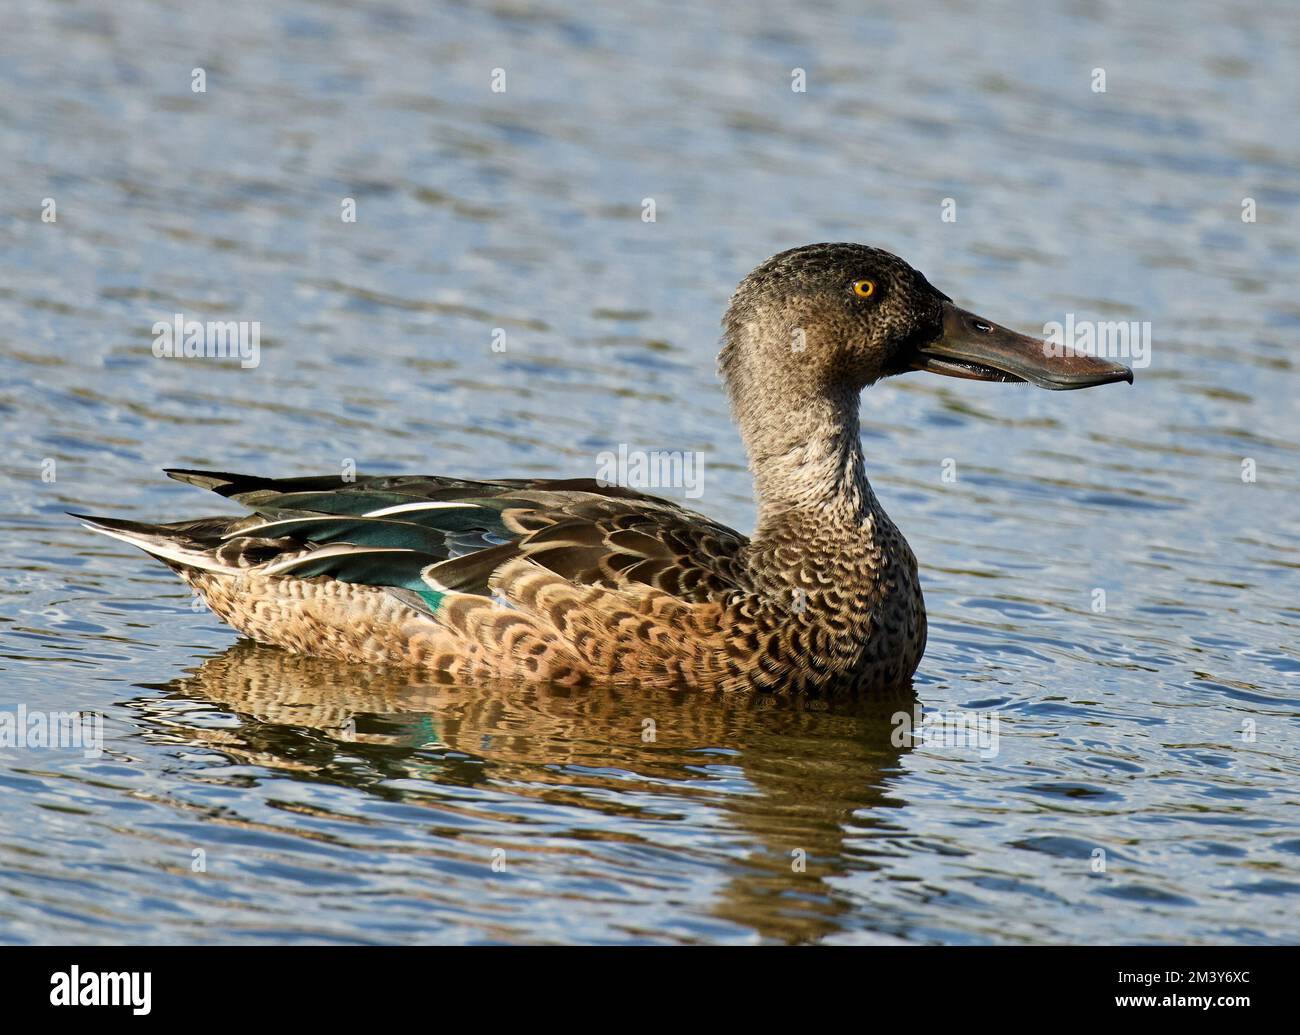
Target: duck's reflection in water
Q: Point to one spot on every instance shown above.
(792, 779)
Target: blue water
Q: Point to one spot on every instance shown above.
(1144, 783)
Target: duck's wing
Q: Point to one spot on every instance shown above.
(425, 536)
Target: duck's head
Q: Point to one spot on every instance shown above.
(842, 316)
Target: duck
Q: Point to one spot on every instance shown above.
(576, 581)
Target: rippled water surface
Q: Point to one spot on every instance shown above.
(1144, 786)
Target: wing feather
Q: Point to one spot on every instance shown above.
(416, 533)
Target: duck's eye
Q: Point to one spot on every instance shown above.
(864, 288)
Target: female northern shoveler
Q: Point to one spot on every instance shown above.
(572, 581)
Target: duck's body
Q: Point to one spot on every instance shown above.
(573, 581)
(559, 581)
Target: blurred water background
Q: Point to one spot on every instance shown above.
(345, 805)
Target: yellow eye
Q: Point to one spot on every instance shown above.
(864, 288)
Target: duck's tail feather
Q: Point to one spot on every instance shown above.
(187, 544)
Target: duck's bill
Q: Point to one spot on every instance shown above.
(981, 350)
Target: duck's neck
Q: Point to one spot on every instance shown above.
(806, 455)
